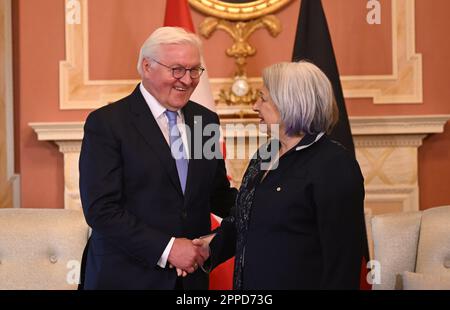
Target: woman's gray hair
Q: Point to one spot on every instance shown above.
(165, 35)
(304, 96)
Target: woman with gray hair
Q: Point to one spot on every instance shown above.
(300, 223)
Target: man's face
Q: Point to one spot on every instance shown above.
(172, 93)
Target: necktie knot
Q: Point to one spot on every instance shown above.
(171, 116)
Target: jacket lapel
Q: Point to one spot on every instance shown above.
(146, 125)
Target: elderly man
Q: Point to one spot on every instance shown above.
(143, 192)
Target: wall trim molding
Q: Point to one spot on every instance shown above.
(404, 85)
(408, 124)
(58, 131)
(407, 196)
(360, 125)
(390, 140)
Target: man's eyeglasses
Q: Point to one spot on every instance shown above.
(179, 72)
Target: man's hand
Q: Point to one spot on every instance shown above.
(186, 256)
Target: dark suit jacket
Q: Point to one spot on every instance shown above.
(132, 198)
(304, 228)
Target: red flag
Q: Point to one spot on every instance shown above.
(179, 15)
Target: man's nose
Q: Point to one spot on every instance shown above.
(186, 79)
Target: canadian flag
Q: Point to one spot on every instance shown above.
(179, 15)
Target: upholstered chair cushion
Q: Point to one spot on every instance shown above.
(420, 281)
(41, 248)
(433, 255)
(395, 239)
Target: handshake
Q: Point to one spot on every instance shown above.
(187, 255)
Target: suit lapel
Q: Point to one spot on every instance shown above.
(146, 125)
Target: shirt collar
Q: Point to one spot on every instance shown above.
(305, 142)
(156, 107)
(308, 140)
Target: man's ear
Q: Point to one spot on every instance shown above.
(146, 65)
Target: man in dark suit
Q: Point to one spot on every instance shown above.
(144, 193)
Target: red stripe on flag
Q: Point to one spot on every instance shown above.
(363, 284)
(221, 278)
(178, 15)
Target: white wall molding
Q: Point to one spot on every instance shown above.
(58, 131)
(391, 140)
(412, 124)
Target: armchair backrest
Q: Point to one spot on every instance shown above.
(433, 254)
(411, 241)
(41, 248)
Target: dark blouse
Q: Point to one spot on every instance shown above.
(302, 226)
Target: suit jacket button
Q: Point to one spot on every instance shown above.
(184, 215)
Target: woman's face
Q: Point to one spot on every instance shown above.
(267, 112)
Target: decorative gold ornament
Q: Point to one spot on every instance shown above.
(240, 32)
(240, 92)
(244, 10)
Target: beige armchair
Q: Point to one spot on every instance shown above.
(413, 249)
(41, 248)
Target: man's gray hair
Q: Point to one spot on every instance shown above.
(165, 35)
(304, 96)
